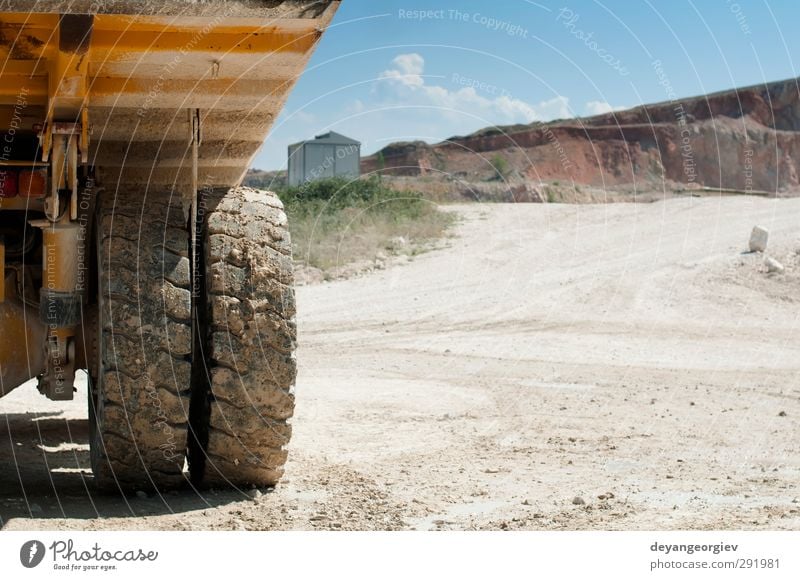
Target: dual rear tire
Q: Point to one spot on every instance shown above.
(195, 371)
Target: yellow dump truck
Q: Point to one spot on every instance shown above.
(128, 248)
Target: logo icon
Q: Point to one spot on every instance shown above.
(31, 553)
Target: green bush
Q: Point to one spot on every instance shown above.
(339, 193)
(500, 165)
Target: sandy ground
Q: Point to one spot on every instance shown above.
(631, 356)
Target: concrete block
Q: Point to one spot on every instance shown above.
(758, 239)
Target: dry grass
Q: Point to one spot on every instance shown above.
(338, 223)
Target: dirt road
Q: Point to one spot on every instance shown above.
(557, 367)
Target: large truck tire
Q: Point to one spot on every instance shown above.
(139, 388)
(243, 392)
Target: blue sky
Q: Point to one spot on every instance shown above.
(396, 71)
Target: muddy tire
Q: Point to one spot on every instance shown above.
(139, 395)
(243, 395)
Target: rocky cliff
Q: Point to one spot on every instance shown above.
(745, 139)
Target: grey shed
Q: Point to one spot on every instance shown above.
(328, 155)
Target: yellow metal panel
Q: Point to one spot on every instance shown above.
(30, 20)
(235, 64)
(107, 43)
(15, 88)
(24, 67)
(31, 39)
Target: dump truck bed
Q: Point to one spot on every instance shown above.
(138, 66)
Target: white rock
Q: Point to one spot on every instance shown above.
(758, 239)
(773, 265)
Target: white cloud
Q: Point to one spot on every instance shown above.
(407, 70)
(599, 108)
(404, 84)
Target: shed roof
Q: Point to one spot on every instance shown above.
(331, 138)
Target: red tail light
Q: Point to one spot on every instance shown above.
(8, 183)
(33, 183)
